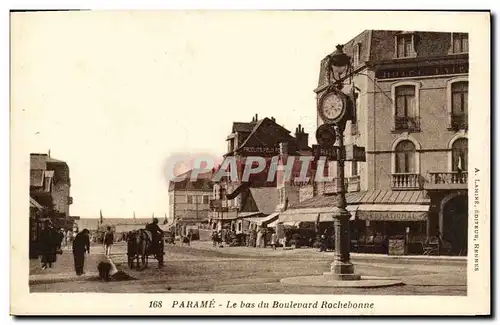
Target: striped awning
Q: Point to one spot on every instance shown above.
(392, 212)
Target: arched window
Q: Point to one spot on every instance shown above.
(405, 157)
(459, 151)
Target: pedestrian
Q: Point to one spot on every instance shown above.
(48, 244)
(108, 241)
(69, 238)
(259, 238)
(274, 239)
(81, 244)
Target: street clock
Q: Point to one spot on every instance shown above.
(333, 106)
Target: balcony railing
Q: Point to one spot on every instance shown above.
(409, 123)
(448, 178)
(459, 121)
(406, 181)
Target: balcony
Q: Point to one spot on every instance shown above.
(447, 181)
(406, 181)
(459, 122)
(406, 123)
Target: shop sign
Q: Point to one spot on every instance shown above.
(421, 71)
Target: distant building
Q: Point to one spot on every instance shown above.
(189, 200)
(118, 225)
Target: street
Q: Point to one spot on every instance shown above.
(203, 268)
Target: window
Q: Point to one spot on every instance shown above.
(405, 118)
(354, 168)
(48, 184)
(405, 157)
(357, 54)
(205, 199)
(189, 199)
(459, 104)
(460, 43)
(459, 152)
(405, 45)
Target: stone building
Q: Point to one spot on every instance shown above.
(189, 200)
(412, 118)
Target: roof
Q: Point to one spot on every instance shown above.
(259, 123)
(378, 45)
(202, 181)
(367, 197)
(243, 126)
(266, 198)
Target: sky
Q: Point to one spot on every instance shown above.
(114, 94)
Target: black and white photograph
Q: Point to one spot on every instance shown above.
(250, 162)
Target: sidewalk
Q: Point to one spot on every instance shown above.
(309, 251)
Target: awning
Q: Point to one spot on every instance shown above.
(311, 214)
(35, 204)
(273, 224)
(392, 212)
(273, 217)
(248, 214)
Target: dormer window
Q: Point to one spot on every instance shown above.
(459, 43)
(405, 45)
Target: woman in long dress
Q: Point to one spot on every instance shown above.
(48, 245)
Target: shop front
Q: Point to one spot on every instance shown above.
(397, 229)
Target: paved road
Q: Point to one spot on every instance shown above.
(203, 268)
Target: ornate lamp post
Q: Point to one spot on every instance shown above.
(335, 109)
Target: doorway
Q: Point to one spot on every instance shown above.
(455, 224)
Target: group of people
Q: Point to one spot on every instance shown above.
(51, 241)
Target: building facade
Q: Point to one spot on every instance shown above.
(411, 96)
(234, 199)
(189, 200)
(50, 183)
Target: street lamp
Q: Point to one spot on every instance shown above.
(338, 66)
(335, 109)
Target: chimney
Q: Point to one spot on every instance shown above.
(49, 153)
(302, 138)
(273, 119)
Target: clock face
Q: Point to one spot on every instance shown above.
(332, 106)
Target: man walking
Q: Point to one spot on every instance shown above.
(81, 244)
(108, 241)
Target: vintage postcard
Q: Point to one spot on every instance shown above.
(250, 163)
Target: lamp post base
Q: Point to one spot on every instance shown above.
(341, 276)
(342, 271)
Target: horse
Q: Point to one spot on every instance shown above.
(139, 245)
